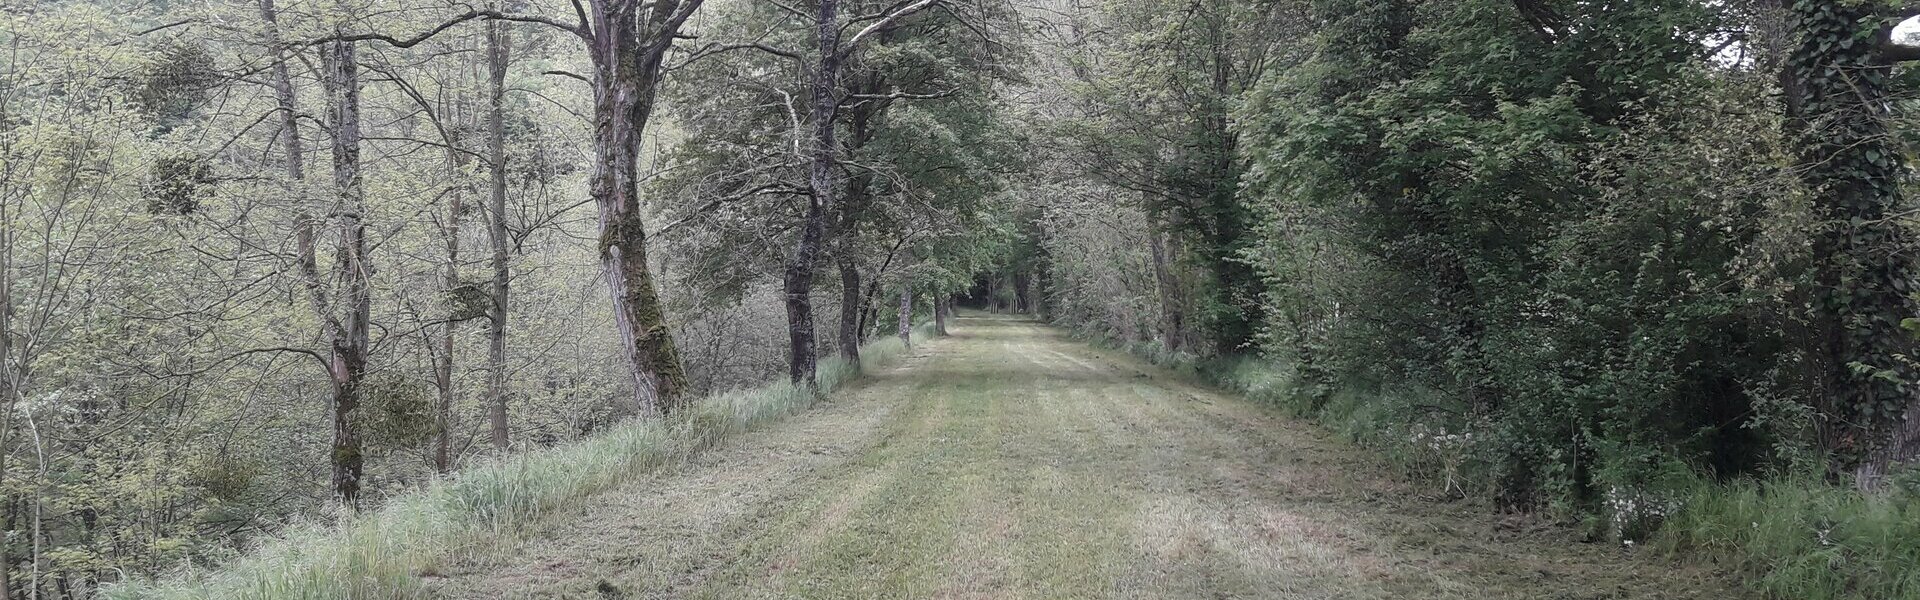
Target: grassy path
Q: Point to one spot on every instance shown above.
(1010, 462)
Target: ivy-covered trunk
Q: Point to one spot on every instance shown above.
(626, 77)
(1838, 101)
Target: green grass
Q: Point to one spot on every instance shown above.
(1804, 540)
(383, 553)
(1786, 539)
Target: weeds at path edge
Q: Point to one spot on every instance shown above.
(384, 553)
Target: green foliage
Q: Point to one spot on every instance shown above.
(178, 184)
(178, 79)
(1571, 233)
(396, 411)
(1556, 254)
(1158, 123)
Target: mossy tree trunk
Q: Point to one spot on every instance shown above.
(628, 45)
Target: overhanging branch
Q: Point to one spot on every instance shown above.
(578, 30)
(885, 22)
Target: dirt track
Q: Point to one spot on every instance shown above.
(1010, 462)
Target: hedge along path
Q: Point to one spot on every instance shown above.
(1008, 461)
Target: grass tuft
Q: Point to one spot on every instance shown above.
(1804, 540)
(385, 552)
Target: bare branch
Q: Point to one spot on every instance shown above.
(166, 26)
(878, 26)
(468, 16)
(710, 50)
(245, 353)
(898, 95)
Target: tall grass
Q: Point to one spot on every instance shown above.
(382, 553)
(1804, 540)
(1786, 538)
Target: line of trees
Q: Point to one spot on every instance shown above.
(259, 258)
(1606, 246)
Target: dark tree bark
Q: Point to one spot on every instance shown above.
(850, 308)
(851, 213)
(941, 305)
(798, 280)
(1023, 292)
(343, 319)
(499, 45)
(347, 332)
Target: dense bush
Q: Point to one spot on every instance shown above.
(1614, 263)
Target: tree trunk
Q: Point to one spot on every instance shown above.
(941, 304)
(1169, 288)
(1022, 290)
(798, 282)
(348, 338)
(906, 317)
(346, 358)
(849, 310)
(443, 363)
(1900, 447)
(9, 391)
(499, 44)
(626, 78)
(847, 229)
(1865, 273)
